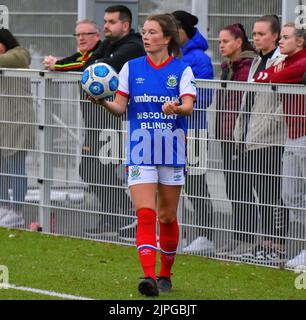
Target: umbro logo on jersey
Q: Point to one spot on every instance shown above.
(140, 80)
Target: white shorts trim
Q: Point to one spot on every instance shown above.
(172, 176)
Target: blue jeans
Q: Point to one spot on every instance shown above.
(13, 175)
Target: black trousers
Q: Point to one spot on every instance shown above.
(253, 182)
(197, 191)
(104, 176)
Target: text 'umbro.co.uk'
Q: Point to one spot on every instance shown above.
(156, 99)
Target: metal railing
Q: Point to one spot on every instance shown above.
(62, 166)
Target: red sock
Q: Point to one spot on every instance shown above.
(168, 240)
(146, 241)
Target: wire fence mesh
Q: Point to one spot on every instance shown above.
(63, 167)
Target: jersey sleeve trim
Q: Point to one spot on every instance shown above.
(124, 79)
(124, 94)
(187, 83)
(188, 94)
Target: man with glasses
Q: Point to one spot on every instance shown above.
(88, 37)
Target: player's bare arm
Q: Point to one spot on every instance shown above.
(116, 107)
(185, 109)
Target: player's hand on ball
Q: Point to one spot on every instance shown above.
(170, 107)
(95, 101)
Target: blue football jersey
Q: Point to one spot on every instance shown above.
(155, 138)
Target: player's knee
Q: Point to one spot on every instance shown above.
(166, 216)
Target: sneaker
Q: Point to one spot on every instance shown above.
(128, 233)
(277, 256)
(164, 284)
(12, 220)
(229, 247)
(101, 230)
(241, 249)
(299, 260)
(200, 244)
(3, 213)
(265, 255)
(148, 287)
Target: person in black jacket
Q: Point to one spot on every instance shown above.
(97, 168)
(121, 43)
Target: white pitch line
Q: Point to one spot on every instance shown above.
(45, 292)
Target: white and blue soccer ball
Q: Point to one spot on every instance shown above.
(100, 80)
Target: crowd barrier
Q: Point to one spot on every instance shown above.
(242, 193)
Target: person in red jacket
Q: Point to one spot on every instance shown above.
(291, 70)
(238, 52)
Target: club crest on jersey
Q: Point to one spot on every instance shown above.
(135, 173)
(172, 81)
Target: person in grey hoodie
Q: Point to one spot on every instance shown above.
(16, 131)
(260, 133)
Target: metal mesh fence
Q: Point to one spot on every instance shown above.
(43, 27)
(223, 13)
(62, 166)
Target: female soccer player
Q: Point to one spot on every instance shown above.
(159, 91)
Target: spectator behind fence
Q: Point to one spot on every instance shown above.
(193, 46)
(87, 34)
(261, 133)
(292, 43)
(16, 131)
(156, 164)
(121, 44)
(235, 46)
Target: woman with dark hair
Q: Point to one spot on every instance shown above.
(158, 90)
(15, 138)
(11, 54)
(239, 53)
(235, 46)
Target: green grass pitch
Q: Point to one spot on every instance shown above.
(107, 271)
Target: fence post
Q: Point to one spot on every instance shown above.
(45, 160)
